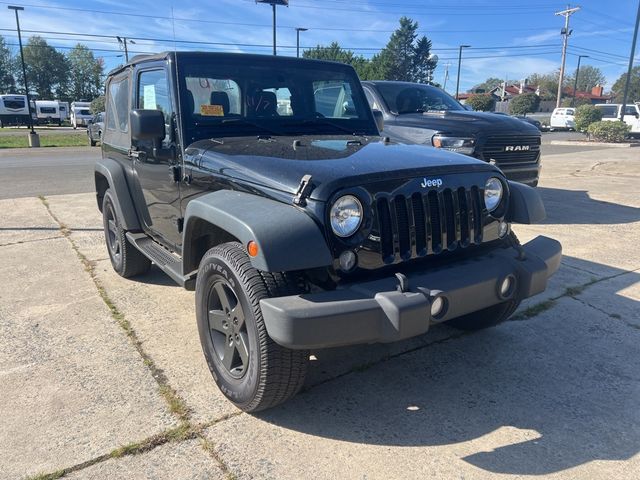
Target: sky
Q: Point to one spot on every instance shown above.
(508, 39)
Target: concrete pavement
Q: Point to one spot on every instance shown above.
(108, 362)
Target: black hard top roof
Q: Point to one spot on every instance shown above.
(238, 57)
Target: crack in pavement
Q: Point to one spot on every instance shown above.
(176, 405)
(19, 242)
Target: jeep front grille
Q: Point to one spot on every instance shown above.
(497, 148)
(424, 224)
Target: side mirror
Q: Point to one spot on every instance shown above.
(379, 118)
(147, 125)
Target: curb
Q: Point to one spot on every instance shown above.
(579, 143)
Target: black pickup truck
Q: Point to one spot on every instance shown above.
(426, 115)
(263, 183)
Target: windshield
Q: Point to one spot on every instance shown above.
(411, 98)
(232, 99)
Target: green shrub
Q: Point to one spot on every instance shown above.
(523, 104)
(97, 105)
(482, 102)
(585, 116)
(609, 131)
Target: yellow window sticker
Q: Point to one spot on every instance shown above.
(211, 110)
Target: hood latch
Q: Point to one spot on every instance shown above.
(304, 190)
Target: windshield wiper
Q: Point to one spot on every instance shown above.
(325, 121)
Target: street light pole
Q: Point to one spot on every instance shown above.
(633, 52)
(575, 82)
(273, 4)
(34, 140)
(459, 64)
(298, 30)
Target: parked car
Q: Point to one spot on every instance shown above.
(611, 112)
(299, 226)
(95, 128)
(563, 119)
(426, 115)
(80, 114)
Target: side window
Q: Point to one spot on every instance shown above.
(630, 110)
(153, 94)
(117, 112)
(334, 99)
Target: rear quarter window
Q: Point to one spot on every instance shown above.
(117, 112)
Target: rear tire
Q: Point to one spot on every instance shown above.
(251, 370)
(485, 318)
(126, 259)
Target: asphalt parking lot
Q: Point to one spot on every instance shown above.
(103, 377)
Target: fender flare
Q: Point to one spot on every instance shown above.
(288, 239)
(114, 173)
(525, 204)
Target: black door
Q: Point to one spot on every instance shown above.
(157, 171)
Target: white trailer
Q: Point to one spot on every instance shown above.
(80, 114)
(63, 107)
(48, 111)
(13, 110)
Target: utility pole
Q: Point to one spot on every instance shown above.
(34, 139)
(298, 30)
(459, 63)
(633, 52)
(575, 83)
(446, 76)
(565, 32)
(123, 41)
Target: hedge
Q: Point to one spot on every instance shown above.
(609, 131)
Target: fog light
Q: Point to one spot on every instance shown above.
(437, 306)
(503, 229)
(507, 286)
(348, 260)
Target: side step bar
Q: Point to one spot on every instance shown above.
(169, 263)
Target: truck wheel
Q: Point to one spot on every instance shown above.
(251, 370)
(126, 259)
(485, 318)
(92, 142)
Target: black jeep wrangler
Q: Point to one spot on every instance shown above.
(263, 183)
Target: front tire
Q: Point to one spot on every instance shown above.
(125, 258)
(485, 318)
(251, 370)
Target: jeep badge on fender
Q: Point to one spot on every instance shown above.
(298, 226)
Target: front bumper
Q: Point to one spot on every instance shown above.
(376, 311)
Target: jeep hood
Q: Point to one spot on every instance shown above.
(333, 162)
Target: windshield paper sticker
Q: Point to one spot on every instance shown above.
(211, 110)
(150, 97)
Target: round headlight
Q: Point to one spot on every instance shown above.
(346, 216)
(492, 193)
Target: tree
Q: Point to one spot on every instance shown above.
(488, 85)
(568, 102)
(634, 87)
(547, 83)
(586, 115)
(335, 53)
(588, 77)
(85, 72)
(523, 104)
(47, 68)
(482, 102)
(7, 69)
(97, 104)
(405, 57)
